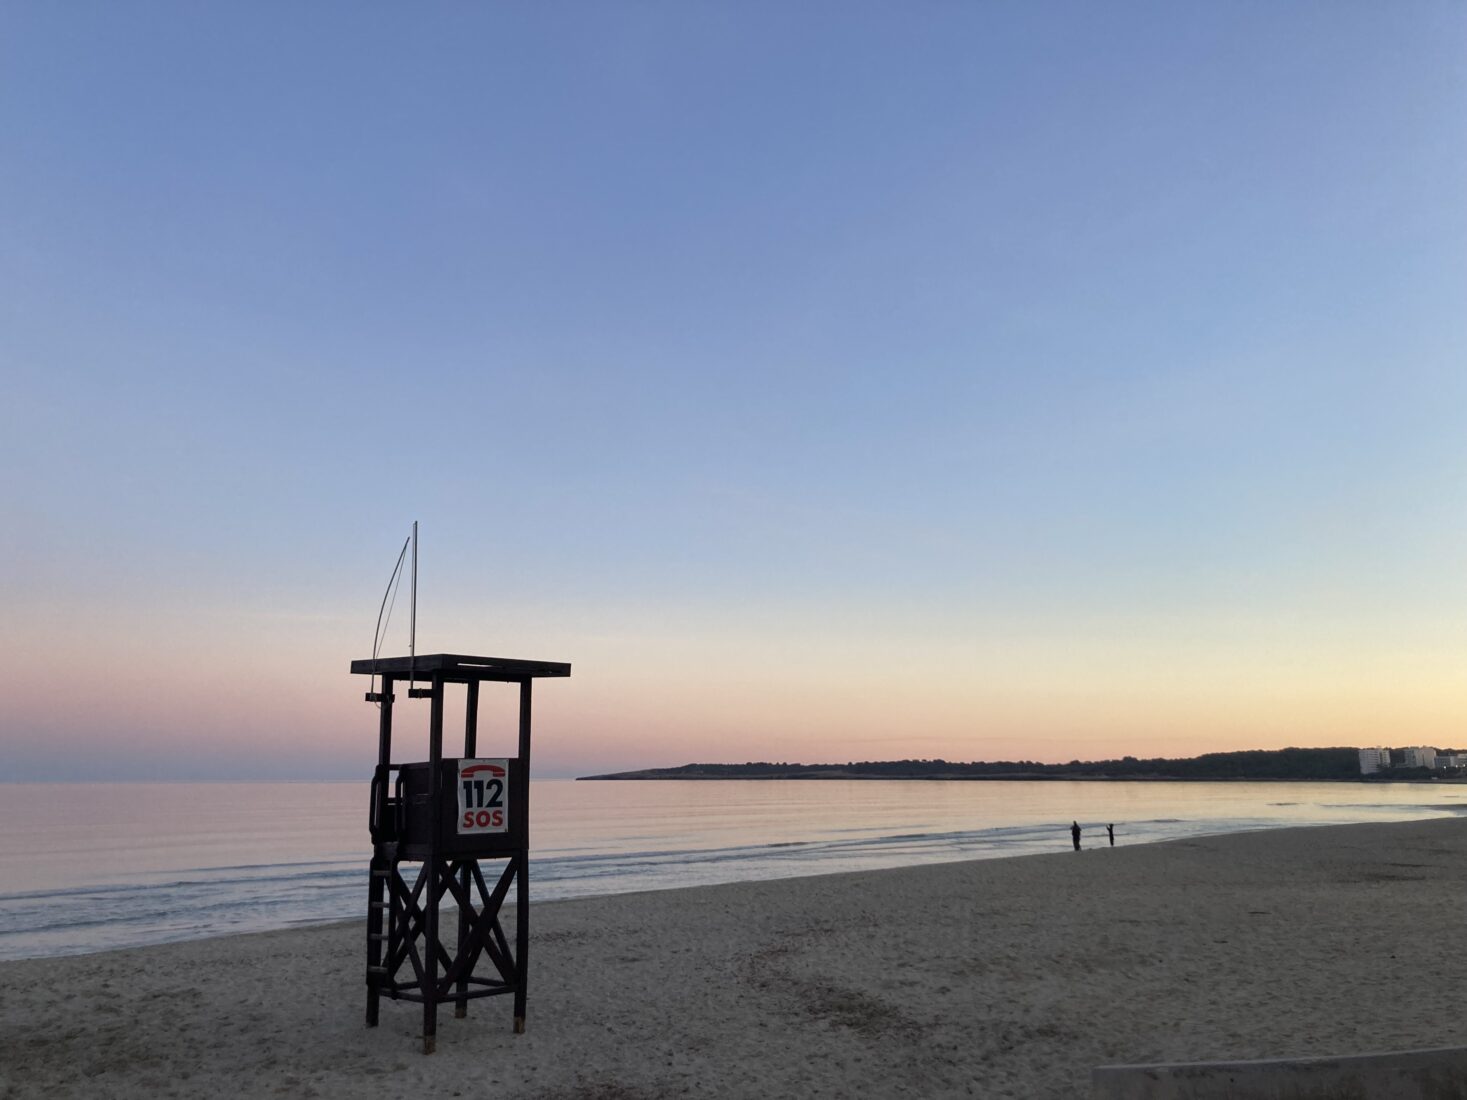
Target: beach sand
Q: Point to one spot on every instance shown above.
(997, 978)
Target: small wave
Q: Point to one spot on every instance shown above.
(108, 890)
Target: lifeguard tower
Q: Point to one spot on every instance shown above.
(447, 815)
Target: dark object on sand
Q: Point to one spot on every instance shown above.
(1075, 834)
(1110, 831)
(446, 816)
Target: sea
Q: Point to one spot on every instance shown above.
(92, 867)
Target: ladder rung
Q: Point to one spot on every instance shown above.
(376, 970)
(379, 904)
(382, 873)
(376, 935)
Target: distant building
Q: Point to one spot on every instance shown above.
(1451, 760)
(1420, 758)
(1373, 760)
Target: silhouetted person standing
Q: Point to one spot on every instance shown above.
(1110, 831)
(1075, 834)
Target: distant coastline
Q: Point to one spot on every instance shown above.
(676, 773)
(1331, 765)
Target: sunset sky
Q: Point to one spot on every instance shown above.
(824, 381)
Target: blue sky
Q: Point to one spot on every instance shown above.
(949, 380)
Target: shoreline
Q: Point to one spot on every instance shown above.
(933, 848)
(1017, 777)
(1012, 977)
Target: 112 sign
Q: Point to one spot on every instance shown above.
(483, 797)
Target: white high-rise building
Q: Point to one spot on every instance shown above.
(1420, 758)
(1373, 760)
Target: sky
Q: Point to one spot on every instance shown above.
(823, 381)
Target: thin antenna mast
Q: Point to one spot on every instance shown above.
(392, 585)
(413, 615)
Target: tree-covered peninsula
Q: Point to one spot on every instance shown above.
(1292, 763)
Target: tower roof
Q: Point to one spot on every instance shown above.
(457, 668)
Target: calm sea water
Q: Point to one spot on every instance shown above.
(86, 867)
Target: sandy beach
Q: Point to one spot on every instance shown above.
(997, 978)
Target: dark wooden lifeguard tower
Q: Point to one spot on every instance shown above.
(447, 815)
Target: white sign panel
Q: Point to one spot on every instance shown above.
(483, 796)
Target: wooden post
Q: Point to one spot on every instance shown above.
(525, 726)
(522, 875)
(465, 915)
(430, 897)
(471, 718)
(380, 868)
(384, 723)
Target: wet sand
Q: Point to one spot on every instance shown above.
(996, 978)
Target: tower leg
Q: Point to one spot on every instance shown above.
(521, 938)
(437, 870)
(465, 914)
(430, 960)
